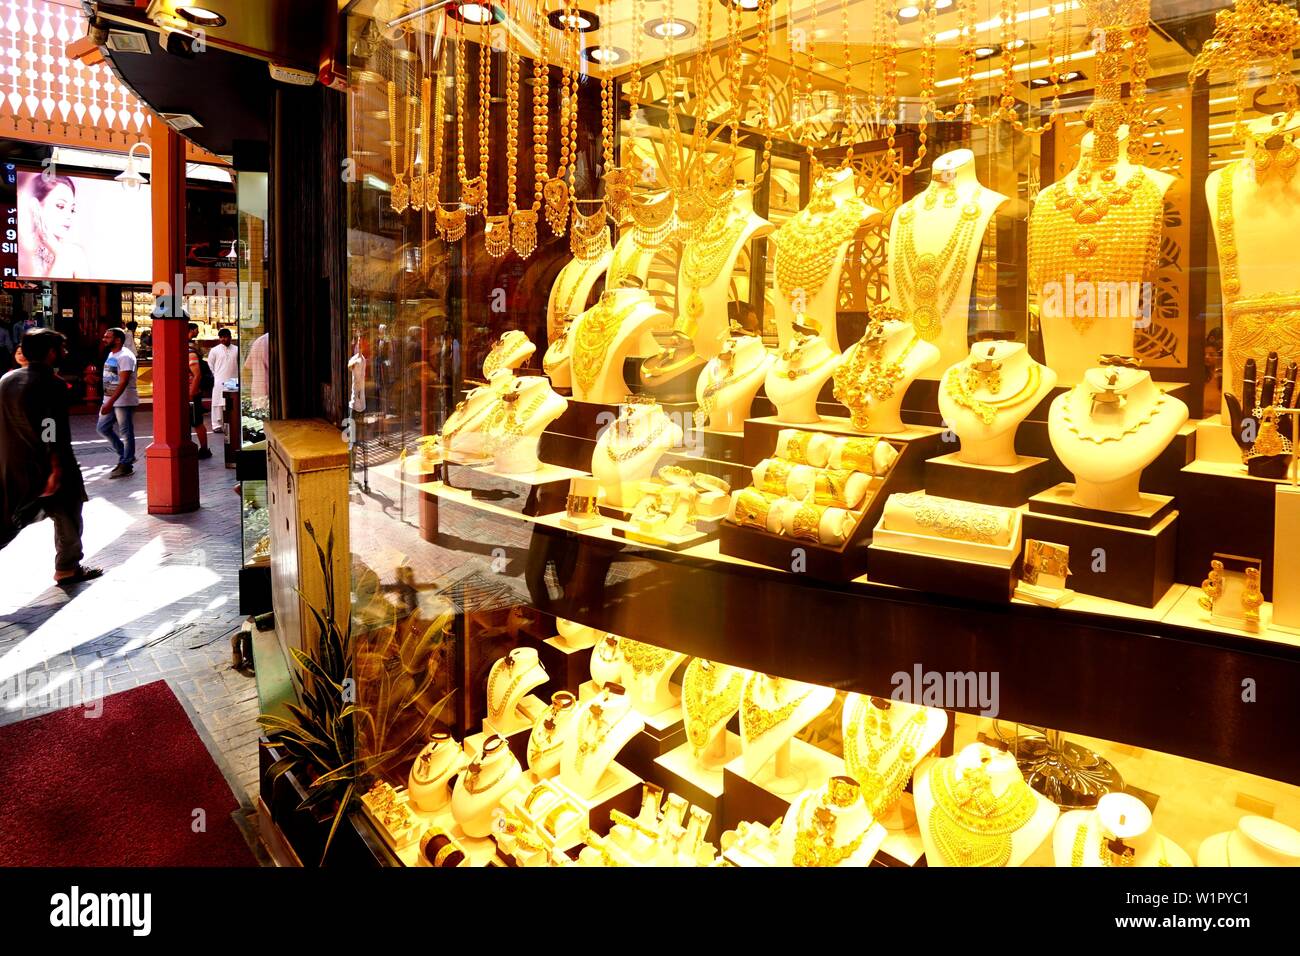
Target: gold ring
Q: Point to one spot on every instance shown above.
(536, 792)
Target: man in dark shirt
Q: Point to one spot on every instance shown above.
(39, 474)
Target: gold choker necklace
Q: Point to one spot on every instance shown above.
(971, 826)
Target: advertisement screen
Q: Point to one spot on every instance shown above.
(78, 227)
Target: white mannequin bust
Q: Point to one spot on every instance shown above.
(510, 351)
(510, 680)
(483, 784)
(884, 741)
(796, 378)
(555, 363)
(426, 784)
(606, 661)
(1256, 841)
(1107, 429)
(628, 450)
(1083, 837)
(829, 825)
(772, 710)
(604, 336)
(702, 310)
(711, 694)
(986, 396)
(1265, 215)
(726, 388)
(953, 208)
(1069, 339)
(836, 191)
(647, 671)
(546, 740)
(515, 429)
(889, 353)
(1034, 813)
(571, 290)
(576, 636)
(602, 728)
(461, 435)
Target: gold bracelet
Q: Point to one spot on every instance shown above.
(553, 818)
(831, 487)
(712, 483)
(859, 454)
(676, 474)
(776, 476)
(796, 448)
(752, 508)
(533, 794)
(441, 856)
(807, 523)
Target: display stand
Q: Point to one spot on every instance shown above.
(539, 492)
(767, 796)
(619, 789)
(702, 784)
(1123, 556)
(663, 732)
(568, 667)
(1286, 562)
(915, 445)
(1005, 486)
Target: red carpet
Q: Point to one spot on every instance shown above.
(117, 790)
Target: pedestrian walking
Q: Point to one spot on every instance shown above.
(117, 413)
(200, 383)
(223, 359)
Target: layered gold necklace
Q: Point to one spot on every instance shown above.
(757, 719)
(890, 756)
(807, 242)
(970, 825)
(928, 282)
(867, 377)
(707, 700)
(595, 331)
(703, 259)
(963, 382)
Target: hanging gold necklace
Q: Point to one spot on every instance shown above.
(595, 331)
(756, 719)
(962, 384)
(708, 701)
(399, 198)
(793, 358)
(418, 182)
(653, 223)
(506, 426)
(929, 282)
(806, 243)
(589, 236)
(883, 771)
(496, 232)
(971, 826)
(556, 193)
(704, 258)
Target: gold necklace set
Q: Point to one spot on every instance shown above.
(506, 425)
(807, 242)
(816, 821)
(704, 258)
(594, 332)
(970, 825)
(727, 365)
(867, 377)
(962, 384)
(1258, 324)
(644, 659)
(475, 770)
(496, 705)
(1077, 428)
(707, 700)
(886, 766)
(756, 719)
(1101, 232)
(626, 454)
(793, 357)
(500, 353)
(928, 282)
(592, 733)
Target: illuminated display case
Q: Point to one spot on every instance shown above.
(870, 417)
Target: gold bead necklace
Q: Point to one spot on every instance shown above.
(971, 826)
(929, 282)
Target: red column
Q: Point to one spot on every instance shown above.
(173, 466)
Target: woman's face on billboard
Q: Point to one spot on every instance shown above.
(57, 212)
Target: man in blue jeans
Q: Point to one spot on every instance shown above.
(117, 414)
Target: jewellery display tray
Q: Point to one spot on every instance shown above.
(1003, 486)
(534, 493)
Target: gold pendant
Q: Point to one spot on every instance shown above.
(473, 195)
(556, 195)
(694, 304)
(523, 232)
(451, 223)
(417, 193)
(926, 322)
(496, 236)
(399, 196)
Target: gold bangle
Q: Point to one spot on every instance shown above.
(553, 818)
(807, 523)
(859, 454)
(752, 508)
(533, 794)
(712, 483)
(441, 856)
(776, 476)
(831, 487)
(796, 448)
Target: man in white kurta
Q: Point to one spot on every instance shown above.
(223, 359)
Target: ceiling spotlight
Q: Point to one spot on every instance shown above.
(1039, 81)
(665, 28)
(984, 52)
(201, 16)
(1017, 43)
(909, 13)
(942, 4)
(1071, 76)
(584, 21)
(475, 14)
(604, 55)
(745, 4)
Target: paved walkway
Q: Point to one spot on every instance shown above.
(165, 608)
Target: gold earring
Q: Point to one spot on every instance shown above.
(1252, 598)
(1212, 587)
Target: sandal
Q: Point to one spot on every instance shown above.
(82, 573)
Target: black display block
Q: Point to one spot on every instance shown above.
(567, 451)
(940, 575)
(641, 751)
(1230, 514)
(746, 800)
(1001, 486)
(626, 801)
(1132, 565)
(720, 446)
(531, 498)
(566, 669)
(1059, 500)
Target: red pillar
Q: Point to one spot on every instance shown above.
(173, 467)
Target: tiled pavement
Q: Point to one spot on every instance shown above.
(165, 608)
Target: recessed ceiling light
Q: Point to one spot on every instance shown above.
(1039, 81)
(942, 4)
(669, 28)
(1071, 76)
(475, 14)
(909, 13)
(984, 52)
(201, 16)
(584, 21)
(745, 4)
(605, 55)
(1017, 43)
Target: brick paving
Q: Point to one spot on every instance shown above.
(165, 608)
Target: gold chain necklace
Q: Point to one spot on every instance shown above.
(706, 703)
(644, 658)
(703, 259)
(796, 370)
(506, 426)
(962, 385)
(929, 282)
(496, 705)
(884, 770)
(629, 453)
(971, 826)
(756, 720)
(472, 776)
(868, 377)
(497, 356)
(593, 722)
(814, 842)
(806, 243)
(595, 331)
(727, 363)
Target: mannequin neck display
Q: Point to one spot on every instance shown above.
(827, 826)
(510, 680)
(796, 378)
(975, 809)
(727, 386)
(884, 741)
(555, 363)
(602, 728)
(1255, 212)
(647, 671)
(432, 769)
(934, 249)
(670, 371)
(460, 433)
(1093, 253)
(1118, 833)
(1119, 411)
(604, 336)
(810, 250)
(606, 662)
(875, 374)
(628, 450)
(986, 396)
(571, 291)
(547, 737)
(705, 275)
(481, 786)
(515, 427)
(711, 694)
(772, 711)
(576, 636)
(508, 353)
(1256, 841)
